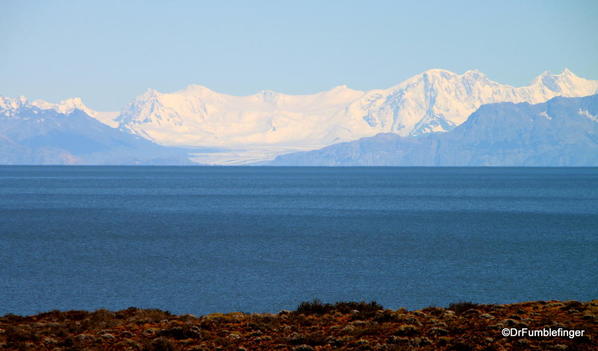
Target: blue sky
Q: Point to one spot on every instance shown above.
(107, 52)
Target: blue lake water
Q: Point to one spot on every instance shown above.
(220, 239)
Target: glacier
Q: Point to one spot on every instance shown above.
(220, 129)
(267, 124)
(559, 132)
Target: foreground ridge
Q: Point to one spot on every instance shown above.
(313, 326)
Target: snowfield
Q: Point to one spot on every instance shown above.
(259, 127)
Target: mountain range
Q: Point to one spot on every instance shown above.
(261, 126)
(207, 127)
(560, 132)
(41, 133)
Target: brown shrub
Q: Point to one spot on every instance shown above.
(461, 307)
(365, 309)
(183, 332)
(160, 344)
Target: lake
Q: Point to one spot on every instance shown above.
(262, 239)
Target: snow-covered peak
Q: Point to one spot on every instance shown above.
(475, 74)
(437, 72)
(440, 78)
(196, 90)
(567, 72)
(343, 88)
(12, 106)
(565, 83)
(149, 94)
(565, 75)
(65, 106)
(9, 105)
(433, 101)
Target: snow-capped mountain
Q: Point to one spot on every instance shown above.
(10, 106)
(199, 116)
(269, 123)
(44, 133)
(439, 100)
(260, 127)
(560, 132)
(69, 105)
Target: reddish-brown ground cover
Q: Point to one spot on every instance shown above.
(314, 326)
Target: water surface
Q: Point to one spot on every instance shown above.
(219, 239)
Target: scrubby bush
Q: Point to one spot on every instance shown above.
(183, 332)
(407, 330)
(386, 316)
(313, 307)
(20, 334)
(100, 319)
(312, 339)
(461, 307)
(373, 329)
(570, 305)
(160, 344)
(367, 309)
(263, 323)
(433, 310)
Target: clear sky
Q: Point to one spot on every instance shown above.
(108, 52)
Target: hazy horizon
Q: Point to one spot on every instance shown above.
(107, 53)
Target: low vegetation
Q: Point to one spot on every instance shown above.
(314, 325)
